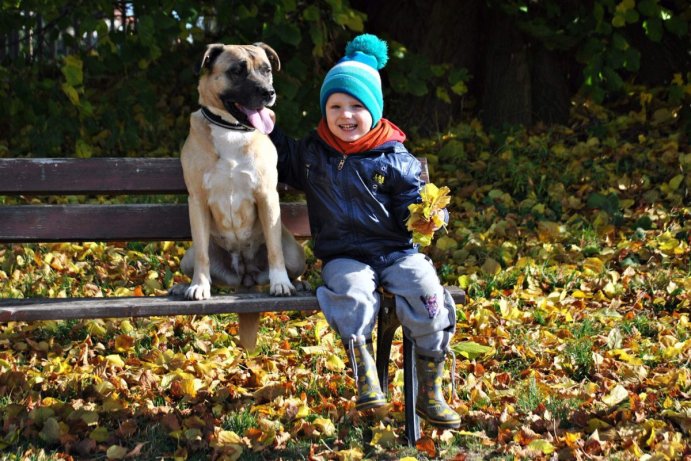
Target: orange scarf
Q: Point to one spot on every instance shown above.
(383, 132)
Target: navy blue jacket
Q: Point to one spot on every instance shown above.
(357, 204)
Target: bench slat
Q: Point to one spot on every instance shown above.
(108, 176)
(111, 175)
(31, 309)
(132, 222)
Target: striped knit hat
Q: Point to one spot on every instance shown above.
(357, 74)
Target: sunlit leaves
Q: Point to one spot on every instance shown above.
(572, 244)
(427, 217)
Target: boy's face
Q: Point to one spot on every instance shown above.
(347, 118)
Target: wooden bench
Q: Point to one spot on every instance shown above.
(26, 223)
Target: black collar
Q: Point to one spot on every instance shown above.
(218, 121)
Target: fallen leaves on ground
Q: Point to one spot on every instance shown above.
(572, 243)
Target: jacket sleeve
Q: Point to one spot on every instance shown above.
(290, 152)
(407, 189)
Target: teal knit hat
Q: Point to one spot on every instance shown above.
(357, 74)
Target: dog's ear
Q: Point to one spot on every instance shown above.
(212, 52)
(271, 54)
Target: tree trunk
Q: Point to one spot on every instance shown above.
(507, 89)
(514, 81)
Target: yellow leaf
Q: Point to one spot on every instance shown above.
(354, 454)
(124, 343)
(96, 327)
(270, 392)
(227, 438)
(314, 350)
(100, 434)
(426, 217)
(325, 426)
(651, 440)
(446, 243)
(594, 265)
(190, 386)
(126, 326)
(472, 350)
(542, 445)
(383, 436)
(115, 360)
(116, 452)
(572, 438)
(334, 363)
(617, 395)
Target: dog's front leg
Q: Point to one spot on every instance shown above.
(200, 218)
(269, 210)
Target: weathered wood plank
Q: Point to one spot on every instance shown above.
(77, 308)
(108, 175)
(31, 309)
(132, 222)
(117, 176)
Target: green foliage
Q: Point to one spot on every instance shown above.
(128, 90)
(84, 83)
(604, 35)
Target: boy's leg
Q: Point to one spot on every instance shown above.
(428, 316)
(350, 303)
(349, 298)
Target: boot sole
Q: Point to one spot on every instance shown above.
(453, 424)
(370, 404)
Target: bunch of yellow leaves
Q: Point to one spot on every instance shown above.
(428, 216)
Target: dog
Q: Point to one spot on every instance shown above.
(229, 167)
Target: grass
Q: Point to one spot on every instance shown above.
(529, 396)
(239, 422)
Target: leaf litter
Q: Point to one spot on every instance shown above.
(572, 243)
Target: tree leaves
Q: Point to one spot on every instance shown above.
(427, 217)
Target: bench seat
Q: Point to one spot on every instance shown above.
(115, 221)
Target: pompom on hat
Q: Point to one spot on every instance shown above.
(357, 74)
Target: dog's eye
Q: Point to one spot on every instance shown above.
(238, 70)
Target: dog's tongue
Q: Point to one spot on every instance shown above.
(259, 119)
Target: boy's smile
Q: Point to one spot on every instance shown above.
(347, 118)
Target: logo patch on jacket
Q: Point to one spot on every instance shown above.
(379, 178)
(431, 305)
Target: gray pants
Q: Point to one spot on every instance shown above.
(350, 300)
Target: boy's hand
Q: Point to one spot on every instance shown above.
(429, 215)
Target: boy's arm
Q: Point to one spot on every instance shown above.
(288, 158)
(406, 191)
(409, 185)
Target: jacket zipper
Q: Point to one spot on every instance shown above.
(341, 163)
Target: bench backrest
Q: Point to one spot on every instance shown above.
(109, 222)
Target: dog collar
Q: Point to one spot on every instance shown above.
(218, 121)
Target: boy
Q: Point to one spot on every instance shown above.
(359, 180)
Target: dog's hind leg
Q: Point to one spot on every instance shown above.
(224, 267)
(293, 254)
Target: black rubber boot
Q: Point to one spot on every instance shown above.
(365, 373)
(431, 405)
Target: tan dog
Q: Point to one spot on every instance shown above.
(229, 165)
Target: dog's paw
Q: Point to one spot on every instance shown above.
(282, 289)
(178, 290)
(280, 284)
(302, 285)
(198, 291)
